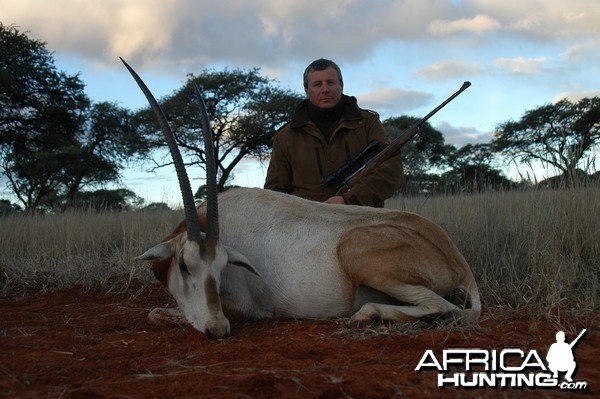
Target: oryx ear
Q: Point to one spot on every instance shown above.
(163, 250)
(237, 259)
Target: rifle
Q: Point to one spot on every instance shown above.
(364, 156)
(370, 164)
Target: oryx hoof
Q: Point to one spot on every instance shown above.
(365, 317)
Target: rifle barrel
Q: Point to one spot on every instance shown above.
(394, 146)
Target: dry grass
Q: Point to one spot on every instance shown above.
(537, 248)
(531, 249)
(38, 253)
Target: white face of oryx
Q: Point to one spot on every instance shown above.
(193, 278)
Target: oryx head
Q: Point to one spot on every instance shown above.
(197, 259)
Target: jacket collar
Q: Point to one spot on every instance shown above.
(301, 117)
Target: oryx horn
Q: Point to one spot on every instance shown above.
(191, 217)
(212, 208)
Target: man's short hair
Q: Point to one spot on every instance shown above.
(320, 65)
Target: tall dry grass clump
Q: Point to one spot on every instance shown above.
(40, 252)
(537, 249)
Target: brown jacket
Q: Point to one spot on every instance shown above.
(301, 157)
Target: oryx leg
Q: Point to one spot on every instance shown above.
(412, 262)
(167, 316)
(425, 303)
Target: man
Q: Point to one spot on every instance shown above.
(327, 130)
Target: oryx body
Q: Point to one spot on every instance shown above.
(317, 260)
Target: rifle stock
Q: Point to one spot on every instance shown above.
(393, 148)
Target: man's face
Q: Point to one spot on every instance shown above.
(324, 88)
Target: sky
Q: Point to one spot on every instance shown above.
(398, 57)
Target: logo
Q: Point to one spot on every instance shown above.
(506, 368)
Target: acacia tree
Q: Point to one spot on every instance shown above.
(422, 156)
(560, 135)
(425, 151)
(432, 165)
(53, 142)
(106, 143)
(471, 169)
(40, 107)
(244, 108)
(108, 200)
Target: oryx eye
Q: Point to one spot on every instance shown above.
(183, 267)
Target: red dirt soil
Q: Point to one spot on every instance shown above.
(76, 344)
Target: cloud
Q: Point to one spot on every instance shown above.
(558, 22)
(521, 65)
(479, 24)
(393, 102)
(448, 69)
(97, 30)
(583, 52)
(193, 34)
(462, 135)
(576, 96)
(141, 29)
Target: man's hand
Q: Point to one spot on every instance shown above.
(336, 200)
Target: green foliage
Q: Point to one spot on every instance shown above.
(53, 142)
(430, 165)
(559, 135)
(40, 108)
(7, 208)
(245, 110)
(34, 96)
(424, 151)
(471, 170)
(107, 200)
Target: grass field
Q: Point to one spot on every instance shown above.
(96, 250)
(537, 249)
